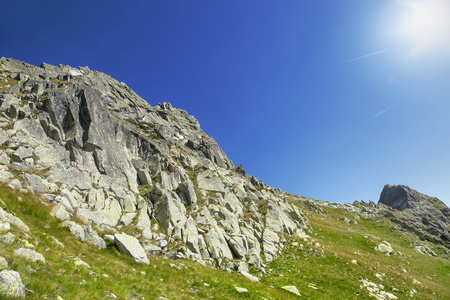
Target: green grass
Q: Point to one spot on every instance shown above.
(61, 84)
(146, 129)
(8, 84)
(335, 277)
(327, 267)
(201, 201)
(145, 189)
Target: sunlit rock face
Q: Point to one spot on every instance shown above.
(88, 143)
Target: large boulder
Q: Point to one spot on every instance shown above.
(21, 154)
(13, 220)
(11, 284)
(29, 254)
(85, 233)
(39, 184)
(144, 176)
(238, 245)
(130, 246)
(384, 247)
(91, 237)
(59, 212)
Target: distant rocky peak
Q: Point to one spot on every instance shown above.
(401, 197)
(426, 216)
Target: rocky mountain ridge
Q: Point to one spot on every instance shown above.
(147, 179)
(92, 146)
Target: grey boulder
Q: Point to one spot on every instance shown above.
(250, 277)
(130, 246)
(11, 284)
(85, 233)
(3, 263)
(384, 247)
(29, 254)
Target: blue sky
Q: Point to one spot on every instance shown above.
(328, 99)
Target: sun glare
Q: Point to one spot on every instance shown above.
(426, 24)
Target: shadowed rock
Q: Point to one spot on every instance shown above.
(426, 216)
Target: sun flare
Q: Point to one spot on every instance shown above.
(426, 24)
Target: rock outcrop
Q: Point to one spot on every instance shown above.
(426, 216)
(109, 161)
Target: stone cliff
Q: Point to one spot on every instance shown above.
(427, 217)
(113, 163)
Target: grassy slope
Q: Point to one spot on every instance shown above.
(60, 276)
(337, 278)
(331, 272)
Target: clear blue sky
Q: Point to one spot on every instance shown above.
(329, 99)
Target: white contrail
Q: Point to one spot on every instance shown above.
(383, 111)
(364, 56)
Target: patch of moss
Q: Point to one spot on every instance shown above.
(262, 206)
(145, 189)
(7, 83)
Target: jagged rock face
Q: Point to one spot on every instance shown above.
(427, 216)
(96, 149)
(401, 197)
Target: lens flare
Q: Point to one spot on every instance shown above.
(427, 24)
